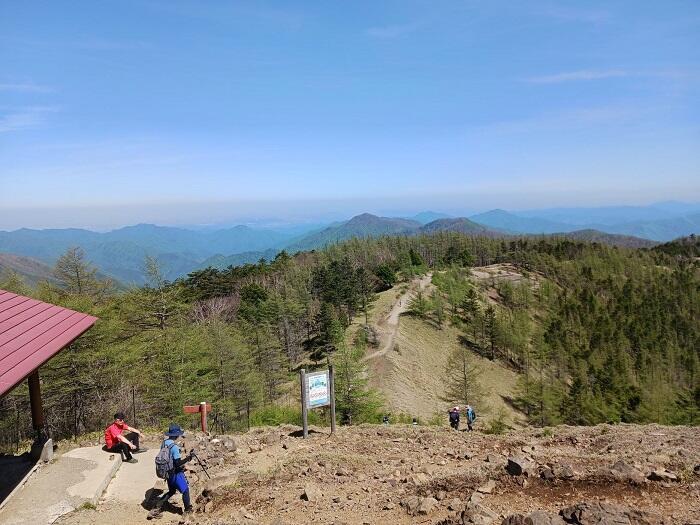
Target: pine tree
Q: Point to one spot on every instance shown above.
(462, 378)
(491, 329)
(419, 305)
(355, 402)
(78, 277)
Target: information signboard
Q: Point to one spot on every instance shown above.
(318, 389)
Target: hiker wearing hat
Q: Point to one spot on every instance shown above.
(454, 418)
(177, 482)
(116, 441)
(471, 416)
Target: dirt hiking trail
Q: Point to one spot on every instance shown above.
(389, 326)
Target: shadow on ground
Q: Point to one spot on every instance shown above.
(14, 469)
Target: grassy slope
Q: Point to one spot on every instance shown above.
(411, 377)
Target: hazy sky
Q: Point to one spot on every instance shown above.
(170, 111)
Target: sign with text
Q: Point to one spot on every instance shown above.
(318, 391)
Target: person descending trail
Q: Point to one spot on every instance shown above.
(170, 466)
(471, 416)
(454, 418)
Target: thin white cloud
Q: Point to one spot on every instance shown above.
(391, 31)
(16, 119)
(587, 75)
(563, 120)
(25, 87)
(576, 76)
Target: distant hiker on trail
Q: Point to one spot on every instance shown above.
(454, 418)
(116, 441)
(471, 416)
(170, 466)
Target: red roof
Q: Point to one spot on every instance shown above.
(31, 333)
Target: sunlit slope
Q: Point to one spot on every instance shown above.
(411, 374)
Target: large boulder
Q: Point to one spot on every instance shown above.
(521, 466)
(588, 513)
(596, 512)
(662, 475)
(622, 471)
(534, 518)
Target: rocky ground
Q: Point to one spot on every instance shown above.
(623, 474)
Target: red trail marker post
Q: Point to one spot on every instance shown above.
(202, 408)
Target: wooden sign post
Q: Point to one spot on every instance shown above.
(317, 390)
(202, 408)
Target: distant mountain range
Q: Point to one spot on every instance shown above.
(121, 253)
(651, 224)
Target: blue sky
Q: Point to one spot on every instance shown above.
(180, 112)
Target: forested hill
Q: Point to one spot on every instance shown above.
(622, 241)
(603, 334)
(360, 226)
(683, 247)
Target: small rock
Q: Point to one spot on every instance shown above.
(411, 504)
(487, 488)
(441, 495)
(389, 506)
(427, 505)
(455, 504)
(311, 493)
(547, 474)
(662, 475)
(476, 497)
(478, 514)
(563, 472)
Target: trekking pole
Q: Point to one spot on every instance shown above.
(201, 465)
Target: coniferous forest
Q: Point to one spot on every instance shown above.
(597, 333)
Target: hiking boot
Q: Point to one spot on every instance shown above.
(132, 460)
(189, 510)
(139, 450)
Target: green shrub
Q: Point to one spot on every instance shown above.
(498, 425)
(279, 415)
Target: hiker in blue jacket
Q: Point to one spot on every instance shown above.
(177, 482)
(471, 416)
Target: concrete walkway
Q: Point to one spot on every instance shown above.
(134, 481)
(76, 478)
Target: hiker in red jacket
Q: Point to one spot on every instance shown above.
(116, 441)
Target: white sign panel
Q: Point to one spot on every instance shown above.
(318, 392)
